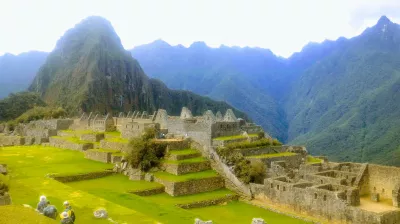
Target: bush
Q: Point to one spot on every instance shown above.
(145, 153)
(233, 158)
(258, 172)
(38, 113)
(261, 135)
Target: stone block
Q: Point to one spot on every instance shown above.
(375, 197)
(199, 221)
(149, 177)
(258, 221)
(94, 137)
(136, 174)
(3, 169)
(5, 199)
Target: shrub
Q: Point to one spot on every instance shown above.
(38, 113)
(261, 135)
(145, 153)
(257, 172)
(235, 159)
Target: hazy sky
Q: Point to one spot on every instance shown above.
(284, 26)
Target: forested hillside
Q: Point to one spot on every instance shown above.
(89, 70)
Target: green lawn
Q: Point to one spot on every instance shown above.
(186, 177)
(28, 167)
(183, 152)
(12, 214)
(185, 161)
(233, 137)
(272, 155)
(72, 139)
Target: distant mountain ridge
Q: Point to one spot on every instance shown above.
(18, 71)
(89, 70)
(339, 98)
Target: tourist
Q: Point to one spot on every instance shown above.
(65, 218)
(69, 210)
(50, 211)
(42, 204)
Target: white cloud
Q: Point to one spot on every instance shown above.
(284, 26)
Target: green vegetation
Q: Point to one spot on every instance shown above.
(144, 153)
(258, 172)
(193, 160)
(254, 144)
(113, 133)
(38, 113)
(186, 177)
(183, 152)
(14, 105)
(117, 139)
(234, 137)
(312, 160)
(80, 132)
(72, 139)
(4, 183)
(95, 41)
(29, 166)
(11, 214)
(272, 155)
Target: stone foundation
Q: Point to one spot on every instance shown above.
(149, 192)
(94, 137)
(64, 144)
(118, 146)
(191, 186)
(184, 168)
(100, 156)
(11, 140)
(216, 201)
(83, 176)
(5, 199)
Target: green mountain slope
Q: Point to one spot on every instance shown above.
(89, 70)
(18, 71)
(251, 79)
(347, 105)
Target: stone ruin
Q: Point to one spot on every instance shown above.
(5, 198)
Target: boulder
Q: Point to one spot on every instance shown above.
(149, 177)
(199, 221)
(258, 221)
(3, 169)
(100, 213)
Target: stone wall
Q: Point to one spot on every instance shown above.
(11, 140)
(118, 146)
(191, 186)
(5, 199)
(93, 137)
(64, 144)
(206, 203)
(100, 156)
(262, 151)
(148, 192)
(225, 128)
(83, 176)
(183, 168)
(293, 161)
(383, 179)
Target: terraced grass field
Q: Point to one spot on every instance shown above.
(29, 166)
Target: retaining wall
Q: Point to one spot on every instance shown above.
(83, 176)
(183, 168)
(191, 186)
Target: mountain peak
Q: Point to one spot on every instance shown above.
(384, 21)
(160, 43)
(198, 44)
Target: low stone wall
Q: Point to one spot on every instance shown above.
(191, 186)
(11, 140)
(119, 146)
(293, 161)
(100, 156)
(148, 192)
(94, 137)
(83, 176)
(176, 145)
(184, 168)
(205, 203)
(5, 199)
(116, 158)
(182, 157)
(64, 144)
